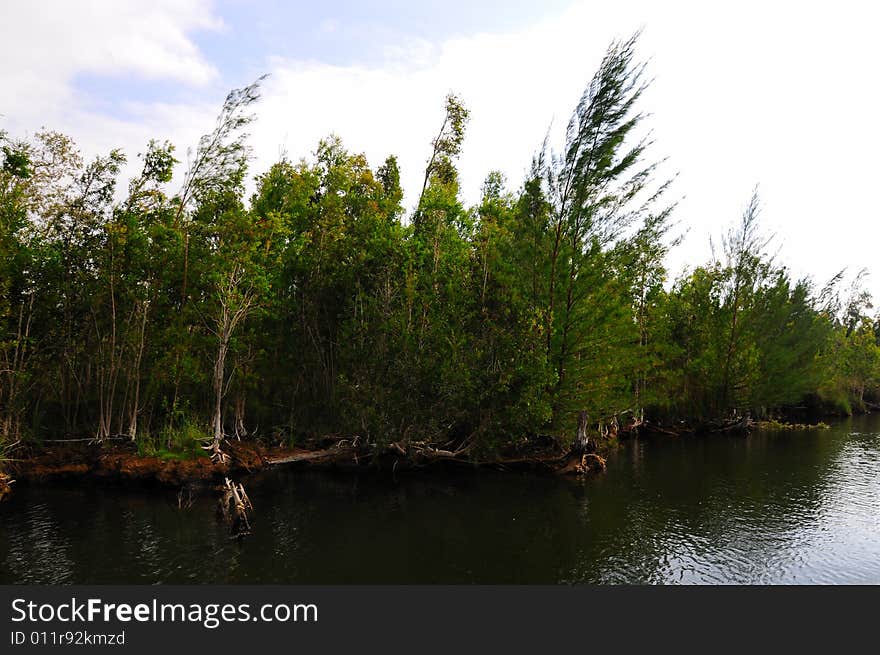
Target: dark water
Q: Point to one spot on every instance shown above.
(800, 507)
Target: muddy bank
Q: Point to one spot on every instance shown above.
(63, 461)
(541, 454)
(5, 486)
(120, 463)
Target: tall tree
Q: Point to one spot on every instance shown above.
(595, 190)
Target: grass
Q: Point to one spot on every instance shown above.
(180, 442)
(6, 448)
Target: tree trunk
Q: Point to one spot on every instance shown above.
(219, 373)
(240, 429)
(135, 406)
(10, 428)
(582, 442)
(229, 318)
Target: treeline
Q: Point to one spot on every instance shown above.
(319, 306)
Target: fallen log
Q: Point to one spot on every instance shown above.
(333, 454)
(652, 428)
(399, 456)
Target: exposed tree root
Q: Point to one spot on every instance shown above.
(5, 486)
(586, 463)
(217, 454)
(400, 456)
(737, 425)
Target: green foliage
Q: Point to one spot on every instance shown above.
(750, 340)
(319, 308)
(447, 144)
(182, 441)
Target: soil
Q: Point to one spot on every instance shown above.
(5, 486)
(120, 462)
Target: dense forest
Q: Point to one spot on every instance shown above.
(183, 317)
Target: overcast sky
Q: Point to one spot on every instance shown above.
(782, 95)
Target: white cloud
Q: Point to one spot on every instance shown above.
(56, 40)
(778, 94)
(45, 46)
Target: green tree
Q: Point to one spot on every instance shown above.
(595, 190)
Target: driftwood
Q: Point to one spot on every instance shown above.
(234, 507)
(406, 454)
(736, 425)
(650, 428)
(424, 450)
(777, 426)
(303, 456)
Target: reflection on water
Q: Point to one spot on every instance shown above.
(799, 507)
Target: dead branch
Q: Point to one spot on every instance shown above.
(234, 506)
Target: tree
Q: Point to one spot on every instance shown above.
(16, 303)
(446, 146)
(594, 191)
(232, 243)
(746, 272)
(318, 308)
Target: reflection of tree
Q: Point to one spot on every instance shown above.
(714, 509)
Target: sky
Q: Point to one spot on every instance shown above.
(781, 95)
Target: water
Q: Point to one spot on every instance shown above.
(799, 507)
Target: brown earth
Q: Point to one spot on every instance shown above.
(68, 461)
(5, 486)
(119, 462)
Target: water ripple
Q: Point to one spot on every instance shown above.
(772, 508)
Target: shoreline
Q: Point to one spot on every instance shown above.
(306, 523)
(62, 461)
(120, 464)
(66, 460)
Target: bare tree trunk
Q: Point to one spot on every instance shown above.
(235, 305)
(135, 405)
(240, 428)
(219, 376)
(554, 257)
(11, 423)
(107, 367)
(582, 442)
